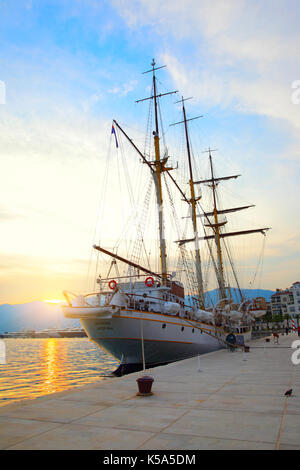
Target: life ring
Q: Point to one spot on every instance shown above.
(112, 284)
(149, 281)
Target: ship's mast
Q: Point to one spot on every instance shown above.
(159, 168)
(193, 204)
(158, 185)
(217, 226)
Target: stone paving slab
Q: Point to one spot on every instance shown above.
(78, 437)
(187, 442)
(236, 401)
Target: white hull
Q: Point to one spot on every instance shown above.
(164, 338)
(88, 312)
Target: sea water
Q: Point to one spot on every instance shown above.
(35, 367)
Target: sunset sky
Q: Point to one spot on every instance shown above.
(71, 66)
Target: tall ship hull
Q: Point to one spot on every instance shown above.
(142, 338)
(164, 340)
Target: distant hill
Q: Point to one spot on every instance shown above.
(212, 296)
(34, 315)
(39, 315)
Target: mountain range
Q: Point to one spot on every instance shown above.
(33, 316)
(211, 297)
(39, 315)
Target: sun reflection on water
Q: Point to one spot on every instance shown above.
(36, 367)
(53, 365)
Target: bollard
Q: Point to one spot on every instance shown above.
(145, 384)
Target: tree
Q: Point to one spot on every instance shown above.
(278, 318)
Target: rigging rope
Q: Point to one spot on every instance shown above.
(233, 271)
(260, 262)
(187, 265)
(162, 129)
(148, 137)
(100, 214)
(139, 242)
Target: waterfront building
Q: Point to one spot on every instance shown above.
(286, 301)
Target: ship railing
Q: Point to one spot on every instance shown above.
(83, 299)
(220, 305)
(134, 301)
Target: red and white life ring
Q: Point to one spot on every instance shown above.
(149, 281)
(112, 284)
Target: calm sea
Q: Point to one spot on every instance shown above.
(36, 367)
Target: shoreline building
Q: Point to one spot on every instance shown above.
(286, 301)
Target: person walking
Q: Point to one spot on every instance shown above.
(276, 337)
(298, 330)
(286, 330)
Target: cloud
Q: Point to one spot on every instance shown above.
(242, 56)
(124, 89)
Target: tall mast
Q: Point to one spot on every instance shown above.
(217, 226)
(158, 186)
(159, 168)
(193, 203)
(217, 234)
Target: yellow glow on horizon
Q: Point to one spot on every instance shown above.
(53, 301)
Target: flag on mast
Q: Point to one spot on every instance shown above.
(114, 132)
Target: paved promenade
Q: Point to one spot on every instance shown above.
(236, 401)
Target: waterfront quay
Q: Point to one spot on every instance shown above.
(227, 400)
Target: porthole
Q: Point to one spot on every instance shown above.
(193, 330)
(164, 325)
(182, 328)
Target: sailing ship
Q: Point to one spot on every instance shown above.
(145, 318)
